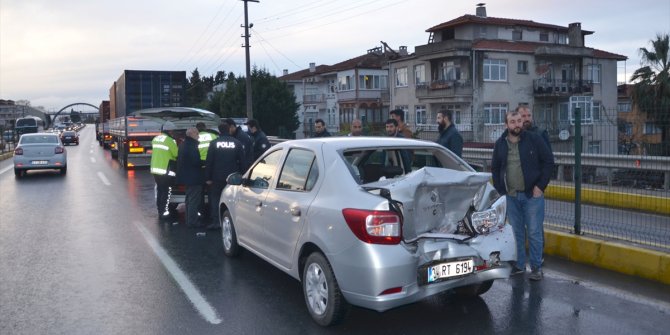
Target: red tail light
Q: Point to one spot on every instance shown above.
(59, 150)
(133, 144)
(18, 151)
(375, 227)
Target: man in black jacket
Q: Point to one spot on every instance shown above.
(449, 138)
(261, 142)
(225, 156)
(320, 129)
(237, 132)
(190, 174)
(522, 166)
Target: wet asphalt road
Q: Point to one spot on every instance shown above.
(85, 254)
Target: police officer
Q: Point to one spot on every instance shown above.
(225, 156)
(237, 132)
(261, 142)
(190, 174)
(204, 138)
(163, 160)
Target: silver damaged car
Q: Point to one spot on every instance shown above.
(374, 222)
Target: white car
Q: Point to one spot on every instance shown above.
(39, 151)
(369, 221)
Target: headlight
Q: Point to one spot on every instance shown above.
(491, 219)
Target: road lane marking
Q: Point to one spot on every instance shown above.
(92, 159)
(197, 299)
(6, 169)
(103, 178)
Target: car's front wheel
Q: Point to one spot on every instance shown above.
(230, 246)
(323, 297)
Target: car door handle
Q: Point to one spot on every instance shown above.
(295, 211)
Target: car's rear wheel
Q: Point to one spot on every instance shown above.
(229, 236)
(18, 173)
(323, 297)
(63, 170)
(474, 289)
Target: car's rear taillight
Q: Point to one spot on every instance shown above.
(375, 227)
(59, 150)
(133, 144)
(18, 151)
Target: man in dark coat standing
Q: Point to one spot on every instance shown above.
(237, 132)
(320, 129)
(258, 137)
(225, 156)
(449, 137)
(190, 174)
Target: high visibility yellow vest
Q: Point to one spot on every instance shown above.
(163, 150)
(204, 138)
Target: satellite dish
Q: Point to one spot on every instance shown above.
(495, 135)
(564, 135)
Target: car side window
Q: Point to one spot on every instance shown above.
(297, 174)
(262, 173)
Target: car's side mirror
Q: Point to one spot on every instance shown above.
(234, 178)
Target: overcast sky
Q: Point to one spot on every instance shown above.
(54, 53)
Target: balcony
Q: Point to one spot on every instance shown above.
(313, 98)
(560, 87)
(444, 88)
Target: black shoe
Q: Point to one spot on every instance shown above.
(516, 271)
(536, 275)
(213, 226)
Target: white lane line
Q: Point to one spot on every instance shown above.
(199, 302)
(6, 169)
(92, 159)
(103, 178)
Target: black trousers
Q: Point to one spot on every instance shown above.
(163, 190)
(193, 203)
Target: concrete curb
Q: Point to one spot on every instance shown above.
(6, 155)
(613, 256)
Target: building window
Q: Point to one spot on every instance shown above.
(522, 66)
(626, 128)
(401, 77)
(449, 71)
(585, 104)
(544, 37)
(455, 112)
(495, 70)
(623, 107)
(650, 128)
(517, 35)
(421, 115)
(346, 83)
(495, 113)
(595, 112)
(593, 73)
(419, 75)
(593, 148)
(372, 82)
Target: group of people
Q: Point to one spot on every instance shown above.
(202, 162)
(522, 166)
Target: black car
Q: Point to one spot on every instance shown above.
(69, 137)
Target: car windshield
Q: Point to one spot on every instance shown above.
(371, 164)
(39, 139)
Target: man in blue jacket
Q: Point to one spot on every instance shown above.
(522, 165)
(190, 174)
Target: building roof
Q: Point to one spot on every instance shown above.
(474, 19)
(530, 47)
(369, 60)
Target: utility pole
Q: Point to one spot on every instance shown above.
(250, 113)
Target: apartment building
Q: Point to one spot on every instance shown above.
(339, 93)
(479, 67)
(638, 135)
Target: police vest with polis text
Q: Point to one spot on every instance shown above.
(225, 156)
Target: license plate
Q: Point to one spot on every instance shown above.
(39, 162)
(450, 269)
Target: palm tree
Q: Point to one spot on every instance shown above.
(651, 89)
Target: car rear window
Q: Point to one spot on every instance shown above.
(39, 139)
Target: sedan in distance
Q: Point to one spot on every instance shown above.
(69, 137)
(39, 151)
(373, 222)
